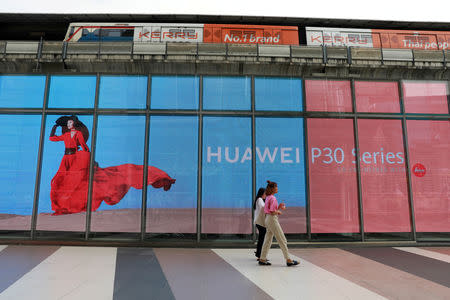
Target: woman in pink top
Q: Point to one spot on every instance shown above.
(273, 228)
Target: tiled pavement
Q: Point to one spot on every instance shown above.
(53, 272)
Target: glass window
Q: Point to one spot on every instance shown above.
(64, 177)
(174, 149)
(175, 92)
(118, 179)
(280, 158)
(123, 92)
(374, 96)
(227, 93)
(22, 91)
(226, 174)
(328, 95)
(383, 176)
(18, 160)
(72, 91)
(332, 174)
(429, 160)
(425, 97)
(284, 94)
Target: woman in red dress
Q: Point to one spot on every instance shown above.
(69, 187)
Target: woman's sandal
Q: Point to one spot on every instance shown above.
(264, 263)
(293, 263)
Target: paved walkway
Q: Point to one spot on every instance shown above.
(52, 272)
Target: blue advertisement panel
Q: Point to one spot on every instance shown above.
(227, 175)
(175, 92)
(174, 148)
(123, 92)
(227, 93)
(279, 94)
(280, 158)
(120, 143)
(22, 91)
(72, 91)
(63, 186)
(19, 135)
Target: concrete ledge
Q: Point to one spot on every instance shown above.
(147, 48)
(116, 48)
(274, 50)
(307, 52)
(428, 55)
(366, 54)
(83, 48)
(242, 50)
(212, 49)
(181, 48)
(52, 47)
(397, 54)
(337, 52)
(22, 47)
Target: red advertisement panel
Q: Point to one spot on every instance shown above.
(250, 34)
(429, 160)
(332, 175)
(425, 97)
(383, 176)
(372, 96)
(328, 95)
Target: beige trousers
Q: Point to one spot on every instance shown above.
(274, 229)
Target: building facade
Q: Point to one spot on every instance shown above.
(179, 143)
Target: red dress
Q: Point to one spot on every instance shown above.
(69, 187)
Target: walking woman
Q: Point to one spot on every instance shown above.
(258, 207)
(273, 228)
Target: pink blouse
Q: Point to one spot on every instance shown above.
(271, 204)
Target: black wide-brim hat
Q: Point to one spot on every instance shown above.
(62, 121)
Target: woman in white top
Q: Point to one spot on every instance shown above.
(258, 206)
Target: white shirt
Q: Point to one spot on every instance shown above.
(258, 209)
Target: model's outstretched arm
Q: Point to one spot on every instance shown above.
(53, 137)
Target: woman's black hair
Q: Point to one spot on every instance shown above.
(259, 195)
(77, 124)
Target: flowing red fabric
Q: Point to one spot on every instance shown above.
(69, 187)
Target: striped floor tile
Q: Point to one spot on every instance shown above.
(52, 272)
(426, 252)
(443, 250)
(202, 274)
(70, 273)
(17, 261)
(418, 265)
(306, 281)
(138, 275)
(377, 277)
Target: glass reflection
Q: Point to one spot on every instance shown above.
(18, 160)
(282, 94)
(72, 91)
(227, 93)
(118, 179)
(174, 146)
(280, 158)
(226, 175)
(22, 91)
